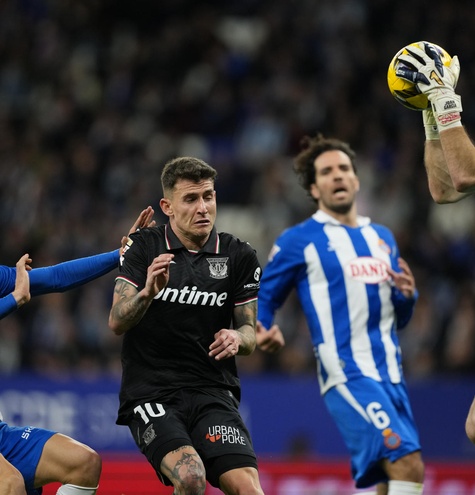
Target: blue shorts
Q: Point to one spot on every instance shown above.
(22, 447)
(376, 422)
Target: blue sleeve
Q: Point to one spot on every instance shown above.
(403, 306)
(7, 305)
(278, 279)
(7, 280)
(55, 278)
(71, 274)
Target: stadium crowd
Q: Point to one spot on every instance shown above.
(96, 96)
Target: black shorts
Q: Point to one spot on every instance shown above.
(208, 420)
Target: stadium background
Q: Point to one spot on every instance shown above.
(96, 96)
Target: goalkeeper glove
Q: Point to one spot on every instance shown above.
(430, 124)
(434, 80)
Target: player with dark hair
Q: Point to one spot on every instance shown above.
(356, 292)
(185, 301)
(33, 457)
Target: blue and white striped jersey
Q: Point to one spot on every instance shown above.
(352, 308)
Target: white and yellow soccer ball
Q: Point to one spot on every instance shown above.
(405, 92)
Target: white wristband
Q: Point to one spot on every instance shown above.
(430, 125)
(449, 120)
(447, 107)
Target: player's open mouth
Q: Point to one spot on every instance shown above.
(340, 190)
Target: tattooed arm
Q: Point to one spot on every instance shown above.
(240, 341)
(129, 305)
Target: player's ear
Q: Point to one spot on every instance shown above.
(314, 192)
(166, 207)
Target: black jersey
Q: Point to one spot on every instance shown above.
(168, 349)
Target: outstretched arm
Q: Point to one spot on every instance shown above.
(450, 166)
(449, 153)
(70, 274)
(459, 153)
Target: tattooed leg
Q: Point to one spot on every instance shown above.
(184, 468)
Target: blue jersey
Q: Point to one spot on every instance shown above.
(56, 278)
(352, 308)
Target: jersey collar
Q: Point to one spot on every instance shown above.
(322, 217)
(212, 244)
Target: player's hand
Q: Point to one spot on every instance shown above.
(435, 80)
(271, 340)
(145, 219)
(429, 73)
(21, 293)
(158, 274)
(225, 345)
(403, 280)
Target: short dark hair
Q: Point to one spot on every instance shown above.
(186, 168)
(312, 147)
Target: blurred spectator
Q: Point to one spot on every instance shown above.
(459, 349)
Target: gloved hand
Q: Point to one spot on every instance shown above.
(430, 124)
(434, 80)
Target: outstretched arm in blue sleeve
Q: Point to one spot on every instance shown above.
(66, 275)
(71, 274)
(63, 276)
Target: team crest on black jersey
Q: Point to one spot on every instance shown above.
(218, 267)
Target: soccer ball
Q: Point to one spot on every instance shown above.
(405, 92)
